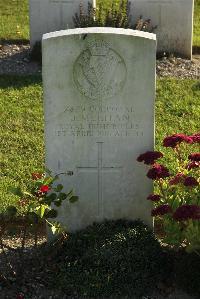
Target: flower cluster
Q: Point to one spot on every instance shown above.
(193, 165)
(177, 179)
(149, 157)
(186, 212)
(158, 171)
(176, 139)
(154, 197)
(195, 138)
(161, 210)
(194, 157)
(177, 198)
(187, 181)
(190, 182)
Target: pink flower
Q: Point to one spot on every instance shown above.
(186, 212)
(161, 210)
(174, 140)
(154, 197)
(193, 165)
(195, 137)
(44, 188)
(158, 171)
(149, 157)
(194, 157)
(178, 178)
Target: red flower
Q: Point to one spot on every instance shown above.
(154, 197)
(190, 182)
(158, 171)
(174, 140)
(179, 178)
(194, 157)
(186, 212)
(149, 157)
(44, 188)
(193, 165)
(195, 137)
(36, 176)
(161, 210)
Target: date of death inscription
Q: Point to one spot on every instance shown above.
(99, 121)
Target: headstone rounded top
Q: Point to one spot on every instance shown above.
(99, 30)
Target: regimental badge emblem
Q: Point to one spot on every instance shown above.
(99, 71)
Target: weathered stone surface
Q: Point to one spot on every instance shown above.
(99, 89)
(51, 15)
(174, 20)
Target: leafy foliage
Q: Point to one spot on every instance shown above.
(117, 15)
(113, 259)
(41, 200)
(37, 205)
(178, 190)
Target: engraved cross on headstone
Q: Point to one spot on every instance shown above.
(100, 168)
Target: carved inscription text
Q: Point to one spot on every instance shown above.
(99, 121)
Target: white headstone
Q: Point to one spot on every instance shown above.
(174, 20)
(52, 15)
(99, 90)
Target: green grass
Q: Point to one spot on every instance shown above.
(21, 124)
(14, 19)
(196, 36)
(21, 132)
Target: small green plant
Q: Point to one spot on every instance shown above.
(118, 16)
(35, 207)
(175, 204)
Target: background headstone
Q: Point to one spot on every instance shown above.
(174, 19)
(99, 90)
(52, 15)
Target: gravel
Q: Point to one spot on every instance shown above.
(15, 59)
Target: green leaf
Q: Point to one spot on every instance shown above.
(73, 199)
(70, 193)
(52, 197)
(52, 214)
(48, 180)
(62, 196)
(41, 210)
(16, 191)
(58, 188)
(57, 202)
